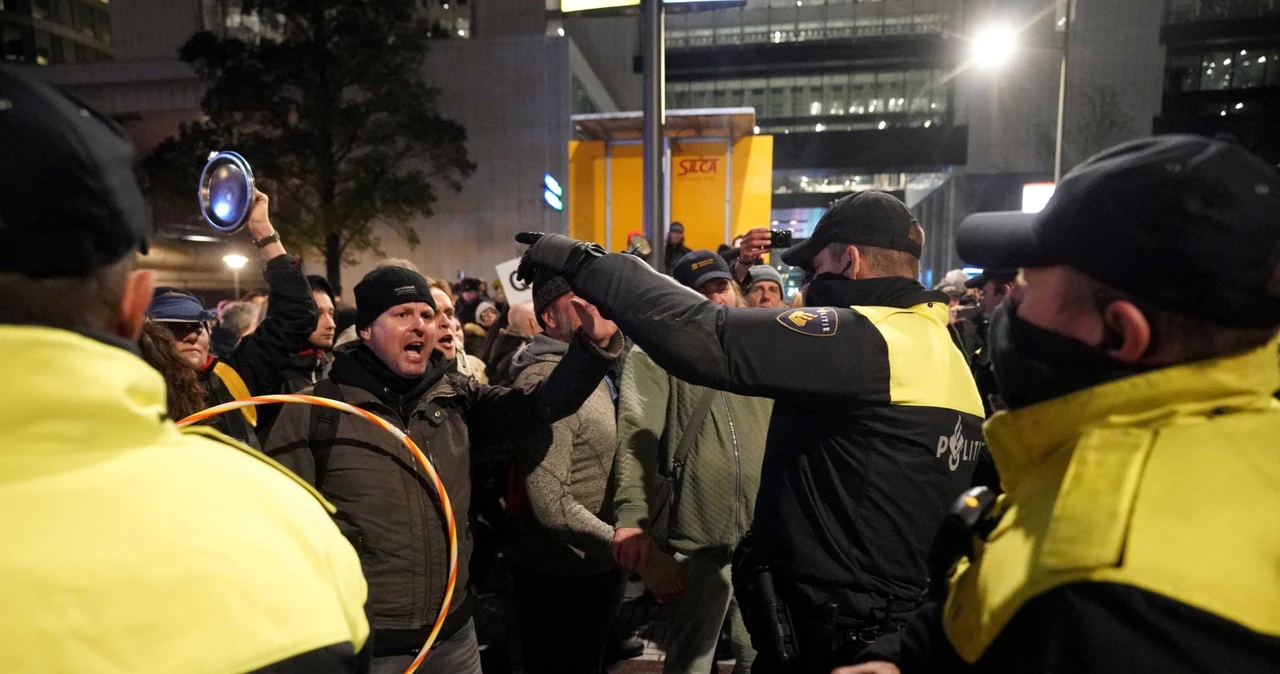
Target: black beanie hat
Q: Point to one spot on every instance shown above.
(548, 288)
(387, 287)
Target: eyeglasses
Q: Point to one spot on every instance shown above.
(181, 331)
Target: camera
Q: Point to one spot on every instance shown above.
(779, 238)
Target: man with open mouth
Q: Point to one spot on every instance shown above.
(386, 505)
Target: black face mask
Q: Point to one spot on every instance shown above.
(1033, 365)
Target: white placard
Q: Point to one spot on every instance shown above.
(515, 289)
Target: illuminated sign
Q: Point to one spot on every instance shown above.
(553, 200)
(1035, 196)
(552, 185)
(567, 6)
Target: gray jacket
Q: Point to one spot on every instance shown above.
(565, 468)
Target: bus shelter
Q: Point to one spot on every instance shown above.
(717, 176)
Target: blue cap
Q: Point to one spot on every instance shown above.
(700, 266)
(171, 305)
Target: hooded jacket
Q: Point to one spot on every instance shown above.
(565, 468)
(385, 501)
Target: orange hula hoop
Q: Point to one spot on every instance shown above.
(407, 442)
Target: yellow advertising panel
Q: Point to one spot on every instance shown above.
(707, 182)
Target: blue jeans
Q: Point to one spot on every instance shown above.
(459, 654)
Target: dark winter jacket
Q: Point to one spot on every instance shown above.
(305, 370)
(386, 503)
(499, 363)
(264, 354)
(565, 468)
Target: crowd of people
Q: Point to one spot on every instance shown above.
(807, 473)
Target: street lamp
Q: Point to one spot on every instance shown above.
(236, 263)
(993, 46)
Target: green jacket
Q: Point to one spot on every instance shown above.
(714, 500)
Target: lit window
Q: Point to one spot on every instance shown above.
(882, 125)
(815, 108)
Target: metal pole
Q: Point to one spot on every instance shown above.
(654, 113)
(235, 274)
(608, 198)
(728, 191)
(1062, 97)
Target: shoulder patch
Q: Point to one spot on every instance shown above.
(812, 321)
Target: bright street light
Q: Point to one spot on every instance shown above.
(993, 46)
(236, 263)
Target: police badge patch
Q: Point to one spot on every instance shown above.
(814, 321)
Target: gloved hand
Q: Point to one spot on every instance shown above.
(555, 254)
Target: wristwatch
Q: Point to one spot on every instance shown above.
(267, 240)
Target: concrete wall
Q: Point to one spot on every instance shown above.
(150, 30)
(508, 18)
(610, 45)
(513, 96)
(1115, 52)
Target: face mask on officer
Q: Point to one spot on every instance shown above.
(1033, 364)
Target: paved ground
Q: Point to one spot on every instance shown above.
(641, 616)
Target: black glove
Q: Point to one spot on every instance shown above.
(554, 254)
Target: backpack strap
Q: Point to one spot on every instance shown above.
(235, 384)
(691, 431)
(324, 426)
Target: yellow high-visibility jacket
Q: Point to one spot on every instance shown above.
(1139, 529)
(130, 547)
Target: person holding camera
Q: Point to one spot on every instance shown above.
(875, 426)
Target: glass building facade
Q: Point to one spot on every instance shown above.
(778, 21)
(829, 101)
(46, 32)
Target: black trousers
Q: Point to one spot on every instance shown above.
(565, 621)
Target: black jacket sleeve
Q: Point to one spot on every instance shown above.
(747, 351)
(1094, 627)
(497, 413)
(291, 318)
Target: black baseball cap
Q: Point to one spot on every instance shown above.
(1006, 274)
(69, 203)
(868, 218)
(700, 266)
(1189, 224)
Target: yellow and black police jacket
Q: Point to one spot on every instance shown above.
(876, 426)
(1138, 534)
(130, 547)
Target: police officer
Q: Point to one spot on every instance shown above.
(994, 285)
(128, 545)
(1138, 360)
(874, 432)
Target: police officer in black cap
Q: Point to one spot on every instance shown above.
(1137, 356)
(875, 429)
(994, 285)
